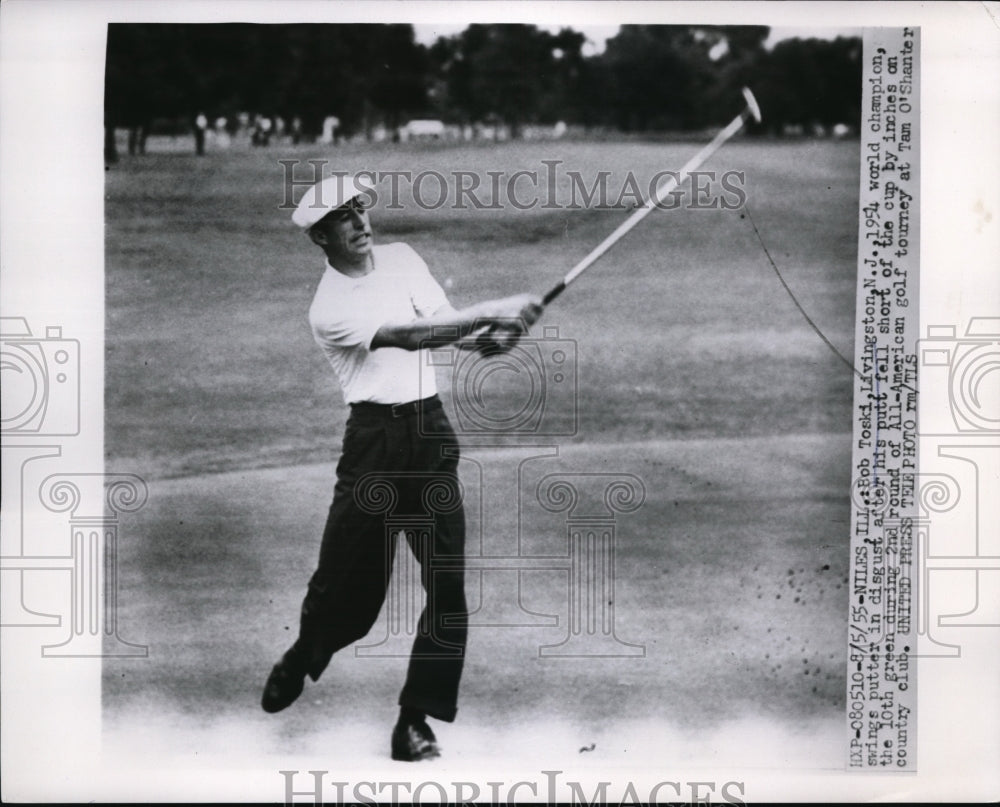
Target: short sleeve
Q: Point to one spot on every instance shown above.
(425, 292)
(351, 329)
(337, 320)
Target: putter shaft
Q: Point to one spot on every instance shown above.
(667, 186)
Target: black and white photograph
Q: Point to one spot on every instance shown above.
(479, 402)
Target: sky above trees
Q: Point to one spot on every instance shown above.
(597, 35)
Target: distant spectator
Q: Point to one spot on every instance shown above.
(296, 130)
(330, 124)
(200, 127)
(222, 132)
(137, 138)
(261, 131)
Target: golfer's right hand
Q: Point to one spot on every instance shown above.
(497, 341)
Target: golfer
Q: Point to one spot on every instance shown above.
(376, 311)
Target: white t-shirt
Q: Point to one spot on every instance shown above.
(347, 311)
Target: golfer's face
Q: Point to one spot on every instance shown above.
(348, 230)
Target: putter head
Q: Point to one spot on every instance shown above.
(752, 106)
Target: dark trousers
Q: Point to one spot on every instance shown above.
(397, 473)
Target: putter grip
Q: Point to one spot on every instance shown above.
(554, 292)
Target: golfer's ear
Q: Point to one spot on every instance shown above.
(318, 236)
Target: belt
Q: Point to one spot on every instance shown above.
(400, 410)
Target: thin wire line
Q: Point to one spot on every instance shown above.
(798, 305)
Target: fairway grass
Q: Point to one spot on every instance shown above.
(730, 576)
(695, 374)
(681, 331)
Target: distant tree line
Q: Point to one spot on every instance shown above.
(649, 78)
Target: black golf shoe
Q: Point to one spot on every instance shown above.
(284, 684)
(413, 741)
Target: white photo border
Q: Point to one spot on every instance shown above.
(51, 253)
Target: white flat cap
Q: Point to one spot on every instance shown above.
(326, 195)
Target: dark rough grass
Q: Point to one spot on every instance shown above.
(681, 331)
